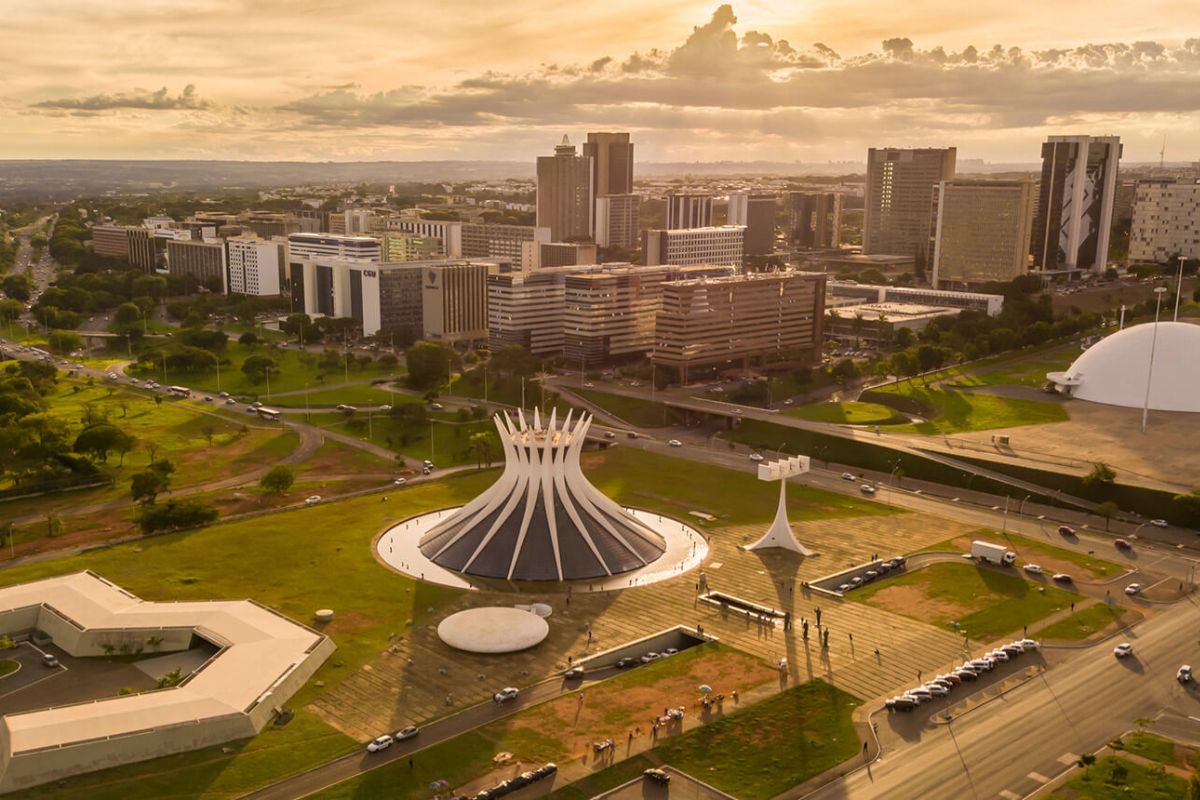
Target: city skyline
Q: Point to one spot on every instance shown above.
(700, 82)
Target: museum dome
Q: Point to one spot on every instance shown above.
(1114, 371)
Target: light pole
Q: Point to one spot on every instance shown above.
(1178, 289)
(1021, 508)
(1158, 293)
(1005, 529)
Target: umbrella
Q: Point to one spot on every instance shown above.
(705, 688)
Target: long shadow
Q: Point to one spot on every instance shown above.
(783, 566)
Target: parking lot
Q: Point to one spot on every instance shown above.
(75, 680)
(839, 583)
(681, 787)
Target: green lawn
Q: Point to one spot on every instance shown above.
(1140, 782)
(451, 444)
(8, 667)
(677, 486)
(849, 413)
(356, 395)
(953, 411)
(1031, 551)
(606, 779)
(633, 410)
(985, 602)
(1147, 745)
(1023, 372)
(760, 751)
(1082, 624)
(295, 369)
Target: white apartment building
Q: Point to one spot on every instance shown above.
(328, 245)
(1166, 221)
(723, 245)
(256, 265)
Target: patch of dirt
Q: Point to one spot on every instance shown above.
(912, 601)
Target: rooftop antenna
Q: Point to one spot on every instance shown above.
(1162, 154)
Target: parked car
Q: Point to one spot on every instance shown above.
(651, 656)
(845, 587)
(1013, 650)
(936, 689)
(1123, 649)
(313, 500)
(966, 674)
(657, 775)
(1133, 588)
(573, 674)
(49, 660)
(1062, 577)
(404, 734)
(626, 663)
(953, 680)
(380, 743)
(1029, 644)
(506, 694)
(999, 655)
(1032, 569)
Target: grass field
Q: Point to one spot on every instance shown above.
(295, 369)
(599, 782)
(849, 413)
(356, 395)
(634, 410)
(675, 486)
(1140, 782)
(1025, 372)
(760, 751)
(451, 444)
(1082, 624)
(8, 667)
(1035, 551)
(954, 411)
(1147, 745)
(984, 602)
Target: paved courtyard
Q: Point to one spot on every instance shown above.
(410, 682)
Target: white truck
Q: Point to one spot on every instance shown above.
(993, 553)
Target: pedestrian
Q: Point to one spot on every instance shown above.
(877, 652)
(1072, 608)
(1025, 630)
(581, 698)
(918, 676)
(852, 638)
(818, 616)
(410, 763)
(569, 658)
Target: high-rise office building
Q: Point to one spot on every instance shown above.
(565, 193)
(1166, 221)
(901, 183)
(815, 219)
(329, 245)
(722, 246)
(454, 303)
(1075, 203)
(612, 162)
(617, 217)
(143, 249)
(256, 265)
(757, 213)
(689, 210)
(495, 240)
(387, 299)
(982, 232)
(527, 309)
(715, 321)
(204, 261)
(111, 241)
(449, 232)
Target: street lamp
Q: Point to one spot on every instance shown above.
(1158, 294)
(1178, 289)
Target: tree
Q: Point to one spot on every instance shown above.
(248, 339)
(1101, 475)
(429, 363)
(174, 515)
(97, 440)
(1108, 509)
(127, 314)
(1085, 761)
(256, 368)
(172, 678)
(278, 479)
(147, 485)
(208, 430)
(484, 447)
(930, 357)
(63, 341)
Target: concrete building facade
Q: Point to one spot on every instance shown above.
(689, 210)
(715, 321)
(454, 303)
(328, 245)
(982, 232)
(528, 309)
(723, 246)
(205, 261)
(815, 220)
(617, 220)
(1166, 221)
(757, 213)
(396, 246)
(899, 194)
(1075, 203)
(495, 240)
(255, 265)
(111, 241)
(565, 193)
(449, 232)
(539, 255)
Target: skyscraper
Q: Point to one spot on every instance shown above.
(815, 220)
(617, 220)
(689, 210)
(983, 231)
(565, 193)
(757, 213)
(612, 162)
(1075, 204)
(901, 184)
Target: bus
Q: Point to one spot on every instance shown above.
(267, 413)
(180, 391)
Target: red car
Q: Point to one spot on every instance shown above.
(1123, 544)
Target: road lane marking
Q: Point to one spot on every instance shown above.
(1009, 795)
(1069, 759)
(1039, 777)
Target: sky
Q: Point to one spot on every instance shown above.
(776, 80)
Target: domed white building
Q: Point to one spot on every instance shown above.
(1114, 371)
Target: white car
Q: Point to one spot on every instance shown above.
(1123, 649)
(867, 489)
(1062, 577)
(380, 743)
(922, 694)
(506, 694)
(848, 476)
(1133, 589)
(1029, 644)
(1184, 675)
(651, 656)
(756, 457)
(589, 385)
(999, 655)
(1158, 523)
(405, 734)
(675, 443)
(936, 689)
(312, 501)
(399, 481)
(1033, 569)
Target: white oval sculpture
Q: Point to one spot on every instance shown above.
(492, 630)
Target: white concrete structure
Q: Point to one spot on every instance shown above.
(264, 658)
(542, 519)
(721, 246)
(493, 629)
(779, 535)
(1117, 369)
(255, 265)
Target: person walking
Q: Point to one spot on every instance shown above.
(818, 616)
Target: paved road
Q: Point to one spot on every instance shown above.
(1014, 745)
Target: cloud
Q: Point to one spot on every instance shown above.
(187, 100)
